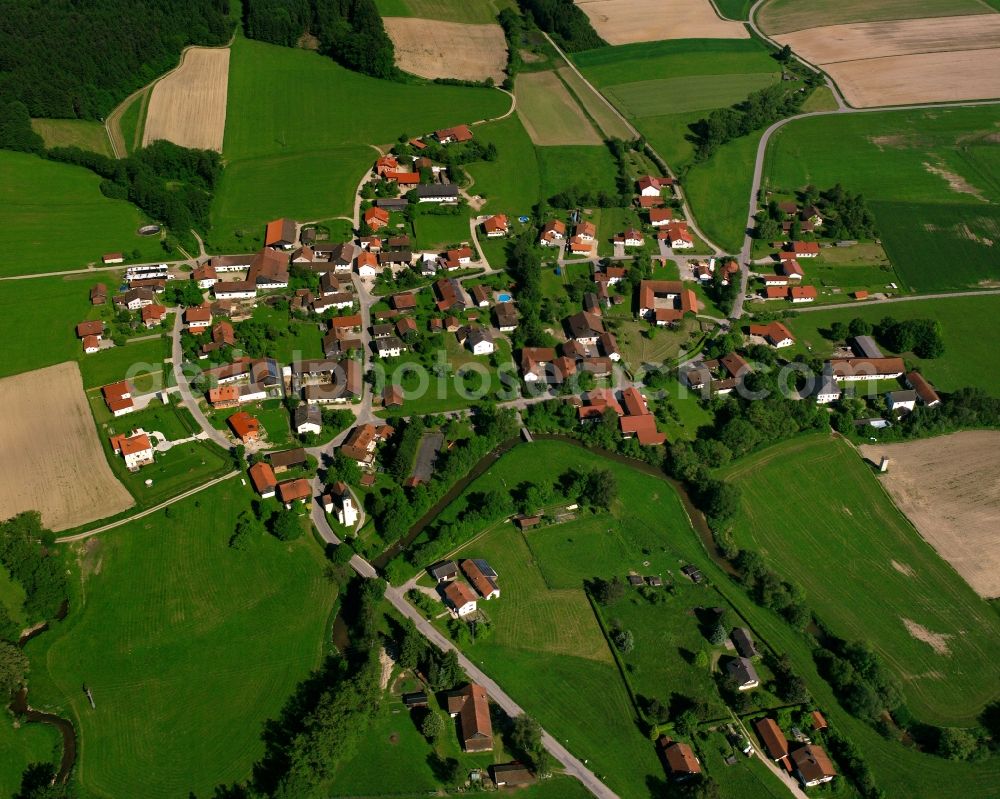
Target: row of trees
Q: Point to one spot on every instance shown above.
(349, 31)
(761, 108)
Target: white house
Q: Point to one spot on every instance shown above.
(347, 513)
(902, 401)
(679, 236)
(480, 342)
(236, 290)
(390, 347)
(827, 390)
(460, 597)
(136, 449)
(633, 238)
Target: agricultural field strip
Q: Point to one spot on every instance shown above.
(436, 49)
(787, 16)
(549, 113)
(188, 105)
(663, 96)
(629, 21)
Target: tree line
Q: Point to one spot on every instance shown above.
(349, 31)
(72, 60)
(567, 23)
(760, 109)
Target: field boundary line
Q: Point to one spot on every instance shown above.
(110, 526)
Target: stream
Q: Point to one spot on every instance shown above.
(694, 515)
(20, 707)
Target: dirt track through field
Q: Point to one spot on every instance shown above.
(949, 487)
(907, 61)
(50, 455)
(628, 21)
(188, 106)
(435, 49)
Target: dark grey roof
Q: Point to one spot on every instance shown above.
(743, 642)
(307, 413)
(436, 190)
(444, 569)
(866, 347)
(484, 567)
(742, 671)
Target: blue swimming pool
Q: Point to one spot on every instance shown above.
(504, 297)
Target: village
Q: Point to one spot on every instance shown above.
(381, 309)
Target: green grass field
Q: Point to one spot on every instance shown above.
(132, 121)
(31, 743)
(719, 189)
(782, 16)
(133, 360)
(702, 74)
(511, 183)
(679, 95)
(59, 220)
(733, 9)
(312, 160)
(73, 133)
(897, 770)
(939, 200)
(440, 230)
(189, 646)
(52, 334)
(961, 318)
(551, 113)
(567, 167)
(481, 12)
(850, 552)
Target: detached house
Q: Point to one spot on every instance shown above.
(376, 218)
(584, 327)
(198, 318)
(665, 302)
(459, 133)
(480, 342)
(553, 233)
(118, 398)
(460, 597)
(679, 236)
(774, 740)
(743, 674)
(649, 186)
(205, 276)
(367, 263)
(631, 238)
(292, 491)
(803, 249)
(135, 449)
(679, 759)
(244, 426)
(496, 226)
(812, 765)
(774, 333)
(262, 477)
(658, 217)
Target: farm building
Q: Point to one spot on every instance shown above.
(679, 759)
(472, 708)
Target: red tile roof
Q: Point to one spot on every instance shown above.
(292, 490)
(262, 477)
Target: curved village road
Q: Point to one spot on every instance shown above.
(758, 170)
(184, 387)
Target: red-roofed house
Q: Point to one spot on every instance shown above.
(367, 264)
(596, 402)
(459, 133)
(198, 318)
(94, 328)
(297, 490)
(650, 186)
(244, 426)
(496, 226)
(802, 293)
(91, 344)
(775, 333)
(136, 449)
(679, 236)
(552, 233)
(461, 598)
(472, 708)
(679, 759)
(386, 163)
(638, 421)
(803, 249)
(262, 477)
(658, 217)
(118, 398)
(376, 218)
(280, 234)
(153, 314)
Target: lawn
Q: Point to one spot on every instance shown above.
(133, 360)
(31, 743)
(295, 340)
(437, 231)
(188, 646)
(311, 161)
(426, 393)
(80, 133)
(566, 167)
(641, 343)
(930, 177)
(511, 183)
(59, 220)
(52, 334)
(853, 542)
(962, 320)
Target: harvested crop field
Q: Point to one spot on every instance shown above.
(628, 21)
(949, 487)
(907, 61)
(549, 113)
(188, 106)
(783, 16)
(50, 455)
(435, 49)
